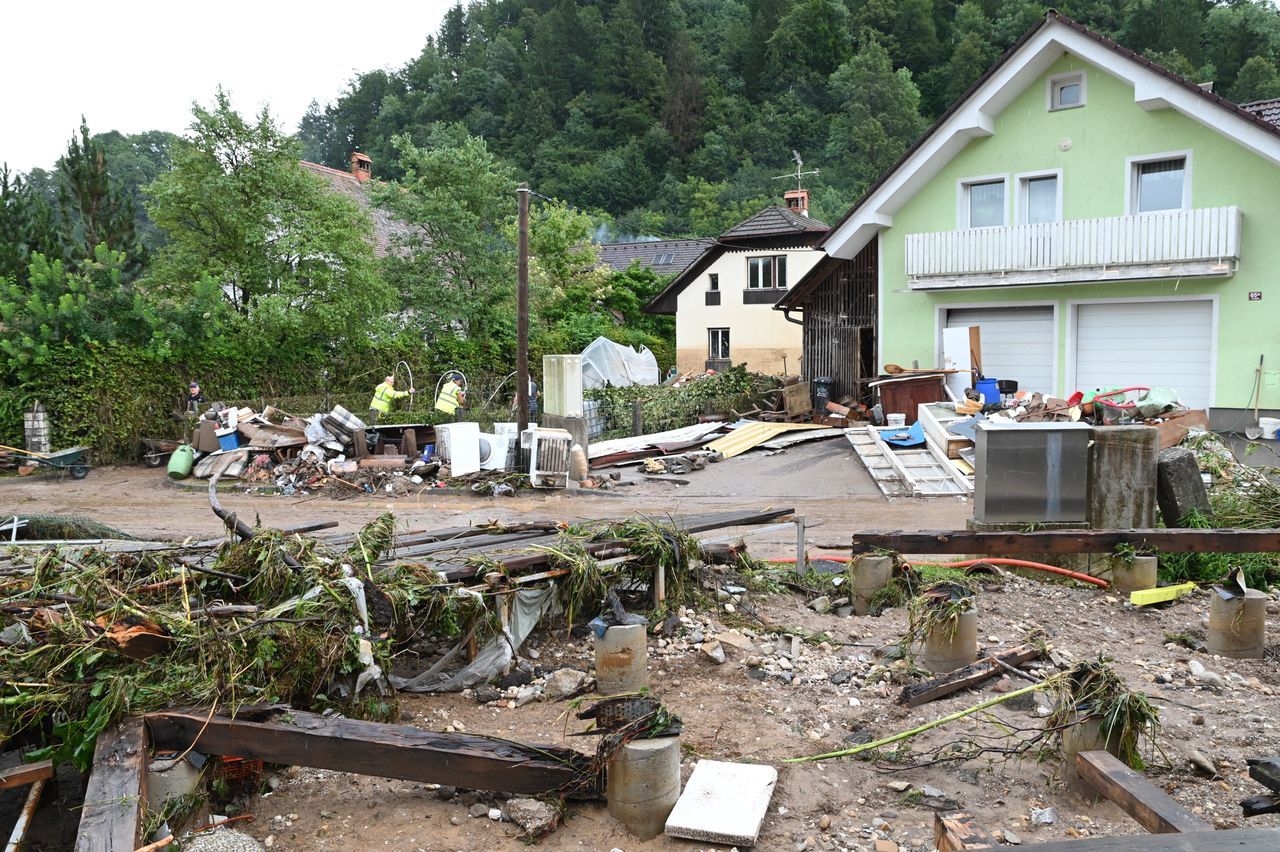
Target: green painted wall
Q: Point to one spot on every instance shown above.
(1107, 130)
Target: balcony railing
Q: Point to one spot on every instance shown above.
(1176, 243)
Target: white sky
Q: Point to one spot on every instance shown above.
(135, 65)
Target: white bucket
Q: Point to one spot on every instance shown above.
(897, 421)
(1270, 427)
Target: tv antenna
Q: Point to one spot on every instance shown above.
(798, 175)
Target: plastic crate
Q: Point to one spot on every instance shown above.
(239, 769)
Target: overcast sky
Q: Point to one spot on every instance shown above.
(135, 65)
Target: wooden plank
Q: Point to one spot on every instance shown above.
(1266, 771)
(27, 773)
(958, 830)
(1235, 840)
(111, 820)
(965, 678)
(386, 751)
(1135, 795)
(1071, 541)
(19, 832)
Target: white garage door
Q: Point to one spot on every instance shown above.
(1164, 344)
(1017, 343)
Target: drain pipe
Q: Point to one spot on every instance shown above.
(786, 314)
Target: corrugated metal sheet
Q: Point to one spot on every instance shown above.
(754, 434)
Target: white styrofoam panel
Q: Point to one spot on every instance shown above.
(723, 803)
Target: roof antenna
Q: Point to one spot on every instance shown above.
(798, 198)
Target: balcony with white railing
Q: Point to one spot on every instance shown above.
(1202, 243)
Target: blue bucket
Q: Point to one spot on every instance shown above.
(990, 390)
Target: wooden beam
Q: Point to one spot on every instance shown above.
(965, 678)
(1236, 840)
(1266, 771)
(111, 820)
(1135, 795)
(27, 773)
(387, 751)
(1070, 541)
(954, 831)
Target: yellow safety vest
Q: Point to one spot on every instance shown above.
(450, 398)
(382, 396)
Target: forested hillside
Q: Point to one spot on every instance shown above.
(673, 116)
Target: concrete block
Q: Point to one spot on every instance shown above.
(1122, 477)
(643, 784)
(622, 659)
(724, 803)
(1179, 488)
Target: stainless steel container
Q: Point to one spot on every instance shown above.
(1031, 473)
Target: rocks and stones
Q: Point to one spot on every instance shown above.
(484, 693)
(222, 840)
(444, 792)
(734, 639)
(1179, 488)
(535, 817)
(1011, 838)
(898, 786)
(478, 810)
(1044, 816)
(841, 677)
(713, 651)
(563, 683)
(495, 814)
(1201, 763)
(1204, 675)
(821, 604)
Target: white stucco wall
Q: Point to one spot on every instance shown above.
(759, 336)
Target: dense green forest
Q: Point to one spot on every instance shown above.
(138, 262)
(674, 116)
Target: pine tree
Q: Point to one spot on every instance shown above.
(92, 208)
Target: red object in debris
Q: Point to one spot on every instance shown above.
(239, 769)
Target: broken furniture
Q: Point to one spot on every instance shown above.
(905, 393)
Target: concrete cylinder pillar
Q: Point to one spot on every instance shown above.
(1084, 734)
(622, 659)
(1132, 575)
(1238, 626)
(870, 574)
(643, 784)
(1122, 477)
(951, 644)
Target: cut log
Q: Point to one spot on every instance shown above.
(958, 830)
(111, 820)
(27, 773)
(1136, 796)
(387, 751)
(965, 678)
(1071, 541)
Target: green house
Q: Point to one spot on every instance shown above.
(1103, 221)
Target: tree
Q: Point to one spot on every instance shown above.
(811, 41)
(1238, 31)
(93, 208)
(17, 204)
(969, 61)
(292, 256)
(1258, 80)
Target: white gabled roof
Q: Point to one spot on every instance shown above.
(975, 113)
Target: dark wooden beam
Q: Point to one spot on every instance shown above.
(1070, 541)
(965, 678)
(1136, 796)
(1266, 771)
(27, 773)
(955, 831)
(388, 751)
(111, 820)
(1235, 840)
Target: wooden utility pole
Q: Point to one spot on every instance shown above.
(522, 312)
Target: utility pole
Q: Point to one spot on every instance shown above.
(522, 311)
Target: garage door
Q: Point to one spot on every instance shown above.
(1017, 343)
(1166, 344)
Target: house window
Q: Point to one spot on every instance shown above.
(663, 260)
(713, 281)
(1039, 202)
(983, 203)
(718, 344)
(1066, 91)
(1160, 185)
(767, 273)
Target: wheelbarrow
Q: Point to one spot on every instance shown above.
(70, 461)
(157, 450)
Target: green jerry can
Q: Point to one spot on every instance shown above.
(181, 462)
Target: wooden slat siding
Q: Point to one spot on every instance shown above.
(1136, 796)
(1071, 541)
(1151, 238)
(836, 315)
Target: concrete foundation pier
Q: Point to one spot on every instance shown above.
(1122, 478)
(870, 574)
(622, 659)
(951, 644)
(1133, 575)
(643, 784)
(1238, 626)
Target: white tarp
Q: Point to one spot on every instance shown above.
(607, 363)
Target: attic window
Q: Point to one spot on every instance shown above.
(1066, 91)
(663, 259)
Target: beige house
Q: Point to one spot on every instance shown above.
(723, 302)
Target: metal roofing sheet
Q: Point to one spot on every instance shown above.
(752, 435)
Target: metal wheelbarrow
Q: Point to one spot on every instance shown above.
(71, 460)
(158, 449)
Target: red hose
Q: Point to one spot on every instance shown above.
(1020, 563)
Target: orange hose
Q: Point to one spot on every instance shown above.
(1021, 563)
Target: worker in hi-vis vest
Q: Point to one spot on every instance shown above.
(383, 394)
(451, 395)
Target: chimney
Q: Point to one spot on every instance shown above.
(361, 167)
(797, 200)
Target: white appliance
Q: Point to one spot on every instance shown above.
(495, 451)
(548, 456)
(459, 445)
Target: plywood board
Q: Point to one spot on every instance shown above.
(723, 803)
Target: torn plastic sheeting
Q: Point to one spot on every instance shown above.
(528, 608)
(607, 363)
